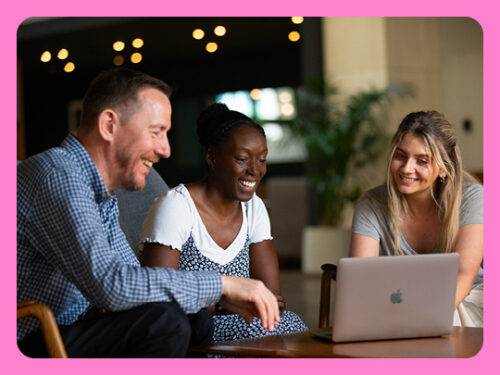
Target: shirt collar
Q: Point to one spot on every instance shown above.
(83, 159)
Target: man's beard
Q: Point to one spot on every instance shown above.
(131, 185)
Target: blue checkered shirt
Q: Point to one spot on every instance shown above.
(72, 253)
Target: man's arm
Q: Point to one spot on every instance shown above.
(245, 297)
(74, 238)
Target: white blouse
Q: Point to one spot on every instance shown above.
(173, 217)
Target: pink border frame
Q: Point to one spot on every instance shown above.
(484, 11)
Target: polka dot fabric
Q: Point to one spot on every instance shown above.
(233, 327)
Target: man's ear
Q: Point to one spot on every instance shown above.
(107, 123)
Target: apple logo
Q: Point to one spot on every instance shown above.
(396, 297)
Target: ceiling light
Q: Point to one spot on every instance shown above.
(46, 56)
(198, 34)
(69, 67)
(62, 54)
(118, 45)
(137, 43)
(136, 58)
(294, 36)
(220, 31)
(211, 47)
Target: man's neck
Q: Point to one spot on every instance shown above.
(99, 154)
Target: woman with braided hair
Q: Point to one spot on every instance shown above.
(219, 222)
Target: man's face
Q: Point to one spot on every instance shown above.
(142, 139)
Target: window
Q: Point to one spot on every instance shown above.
(270, 107)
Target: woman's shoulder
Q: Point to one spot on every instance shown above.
(178, 192)
(472, 188)
(255, 204)
(176, 196)
(169, 220)
(472, 198)
(259, 226)
(376, 196)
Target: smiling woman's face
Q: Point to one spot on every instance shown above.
(413, 168)
(239, 163)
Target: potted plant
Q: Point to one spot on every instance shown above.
(341, 142)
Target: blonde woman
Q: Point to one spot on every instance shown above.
(429, 204)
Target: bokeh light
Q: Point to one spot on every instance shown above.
(136, 57)
(118, 45)
(211, 47)
(255, 94)
(220, 31)
(46, 56)
(287, 109)
(285, 97)
(69, 67)
(198, 34)
(294, 36)
(118, 60)
(137, 43)
(62, 54)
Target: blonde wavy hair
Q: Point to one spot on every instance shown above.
(440, 138)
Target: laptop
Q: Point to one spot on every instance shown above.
(393, 297)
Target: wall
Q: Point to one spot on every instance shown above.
(354, 53)
(461, 55)
(442, 58)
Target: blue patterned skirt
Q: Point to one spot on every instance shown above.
(232, 326)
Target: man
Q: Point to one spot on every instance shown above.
(72, 255)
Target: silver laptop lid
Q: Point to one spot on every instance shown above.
(392, 297)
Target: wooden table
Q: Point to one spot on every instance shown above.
(462, 343)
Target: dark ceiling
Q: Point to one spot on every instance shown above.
(254, 53)
(169, 49)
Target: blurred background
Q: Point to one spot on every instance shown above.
(258, 66)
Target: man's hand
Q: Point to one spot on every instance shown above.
(250, 298)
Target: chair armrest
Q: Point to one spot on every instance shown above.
(50, 330)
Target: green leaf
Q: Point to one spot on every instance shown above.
(340, 140)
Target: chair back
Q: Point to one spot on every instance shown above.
(134, 206)
(329, 274)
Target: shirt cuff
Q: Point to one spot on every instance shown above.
(209, 287)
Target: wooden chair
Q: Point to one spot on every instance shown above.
(50, 330)
(329, 274)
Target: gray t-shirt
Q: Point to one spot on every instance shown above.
(372, 219)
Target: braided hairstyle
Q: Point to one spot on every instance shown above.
(217, 122)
